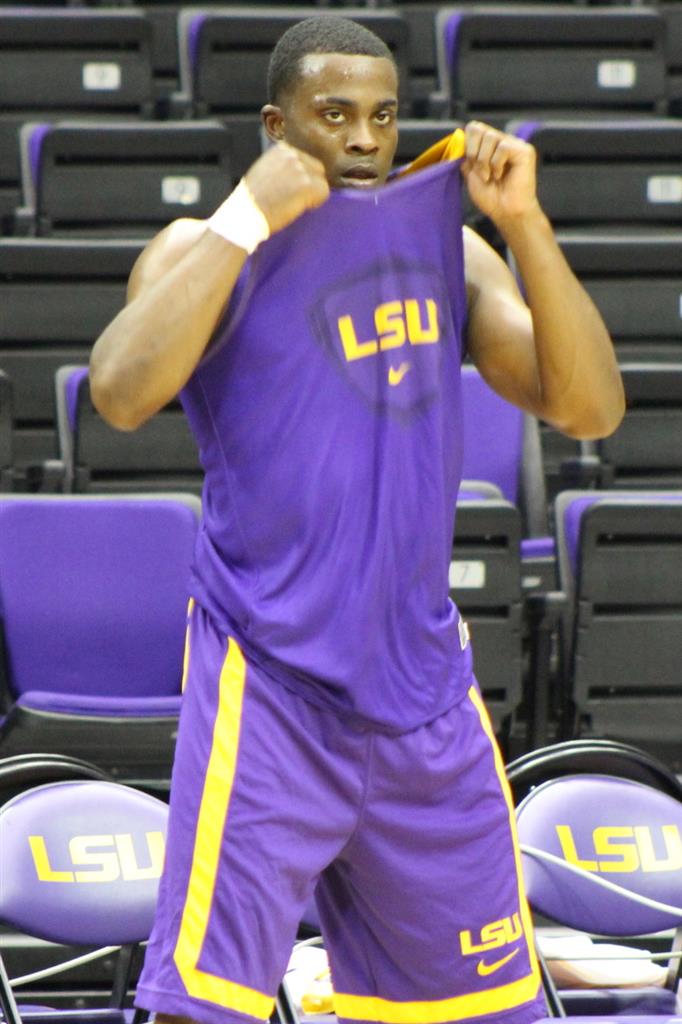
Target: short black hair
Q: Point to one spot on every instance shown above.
(320, 34)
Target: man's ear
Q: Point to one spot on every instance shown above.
(273, 122)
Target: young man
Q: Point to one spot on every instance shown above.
(332, 730)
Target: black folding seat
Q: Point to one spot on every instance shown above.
(224, 53)
(646, 449)
(73, 61)
(159, 456)
(485, 583)
(620, 561)
(609, 173)
(56, 296)
(127, 179)
(634, 279)
(496, 61)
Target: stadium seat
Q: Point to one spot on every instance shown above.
(607, 173)
(56, 296)
(94, 594)
(502, 445)
(54, 837)
(160, 456)
(67, 62)
(121, 178)
(224, 52)
(645, 452)
(485, 583)
(500, 61)
(601, 856)
(634, 280)
(620, 563)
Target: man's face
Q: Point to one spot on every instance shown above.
(342, 109)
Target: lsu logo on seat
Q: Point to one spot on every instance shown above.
(628, 848)
(386, 328)
(101, 858)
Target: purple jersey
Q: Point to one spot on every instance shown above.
(328, 415)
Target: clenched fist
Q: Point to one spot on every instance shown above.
(285, 182)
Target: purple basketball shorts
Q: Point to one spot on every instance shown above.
(411, 837)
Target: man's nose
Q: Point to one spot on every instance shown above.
(361, 138)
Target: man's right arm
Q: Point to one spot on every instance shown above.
(178, 290)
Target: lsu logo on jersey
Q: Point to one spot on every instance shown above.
(386, 330)
(101, 858)
(624, 849)
(395, 323)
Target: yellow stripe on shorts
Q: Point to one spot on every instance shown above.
(211, 822)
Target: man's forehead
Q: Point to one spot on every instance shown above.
(326, 71)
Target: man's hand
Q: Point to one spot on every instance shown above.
(285, 182)
(499, 170)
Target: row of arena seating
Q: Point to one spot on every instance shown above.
(56, 295)
(95, 586)
(501, 63)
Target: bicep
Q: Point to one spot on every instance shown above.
(500, 326)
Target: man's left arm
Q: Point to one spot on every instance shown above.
(551, 354)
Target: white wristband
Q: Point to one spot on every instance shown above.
(240, 219)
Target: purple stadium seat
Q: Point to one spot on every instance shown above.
(602, 855)
(94, 592)
(502, 445)
(54, 837)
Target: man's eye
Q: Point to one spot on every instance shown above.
(335, 116)
(384, 117)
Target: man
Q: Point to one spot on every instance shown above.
(331, 725)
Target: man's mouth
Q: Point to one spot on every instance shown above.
(359, 176)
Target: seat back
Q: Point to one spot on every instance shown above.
(646, 449)
(612, 830)
(620, 562)
(74, 61)
(124, 178)
(499, 60)
(224, 51)
(583, 164)
(160, 456)
(633, 277)
(56, 296)
(94, 592)
(78, 832)
(485, 583)
(502, 445)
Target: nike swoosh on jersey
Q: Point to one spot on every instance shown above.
(483, 968)
(396, 375)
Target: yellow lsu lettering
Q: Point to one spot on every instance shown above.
(110, 857)
(493, 935)
(394, 323)
(631, 848)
